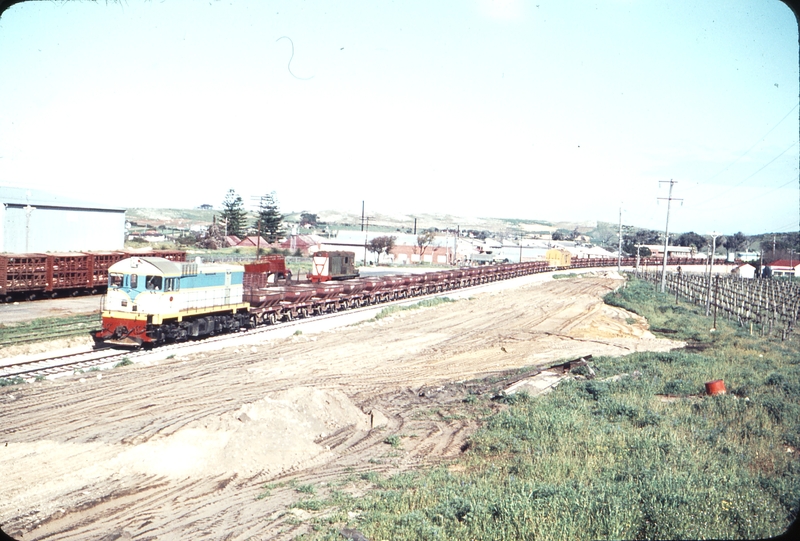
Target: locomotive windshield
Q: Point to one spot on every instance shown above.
(115, 280)
(154, 283)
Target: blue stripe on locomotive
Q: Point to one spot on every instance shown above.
(210, 280)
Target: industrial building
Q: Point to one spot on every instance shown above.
(32, 221)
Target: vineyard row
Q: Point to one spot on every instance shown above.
(770, 305)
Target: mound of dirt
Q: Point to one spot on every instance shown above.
(269, 435)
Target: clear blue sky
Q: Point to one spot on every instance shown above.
(555, 110)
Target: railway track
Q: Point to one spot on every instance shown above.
(64, 364)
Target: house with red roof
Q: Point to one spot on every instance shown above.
(253, 241)
(785, 267)
(307, 244)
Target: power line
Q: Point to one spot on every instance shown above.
(749, 176)
(751, 199)
(755, 144)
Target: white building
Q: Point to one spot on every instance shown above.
(32, 221)
(745, 270)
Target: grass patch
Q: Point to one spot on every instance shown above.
(566, 276)
(394, 441)
(124, 362)
(425, 303)
(16, 380)
(612, 459)
(48, 328)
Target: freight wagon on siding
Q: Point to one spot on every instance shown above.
(36, 276)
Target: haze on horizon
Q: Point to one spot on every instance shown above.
(541, 110)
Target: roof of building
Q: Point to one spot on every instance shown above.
(232, 240)
(253, 241)
(303, 241)
(36, 198)
(789, 264)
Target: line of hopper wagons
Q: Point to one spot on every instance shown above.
(151, 300)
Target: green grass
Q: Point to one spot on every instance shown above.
(48, 328)
(599, 459)
(566, 276)
(425, 303)
(124, 362)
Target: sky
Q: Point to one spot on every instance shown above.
(542, 110)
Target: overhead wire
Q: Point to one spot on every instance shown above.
(723, 192)
(751, 175)
(755, 144)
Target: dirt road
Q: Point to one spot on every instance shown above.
(183, 449)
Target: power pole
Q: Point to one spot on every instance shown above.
(619, 248)
(362, 222)
(666, 235)
(714, 236)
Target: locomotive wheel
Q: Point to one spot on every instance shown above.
(271, 318)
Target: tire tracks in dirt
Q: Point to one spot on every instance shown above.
(411, 367)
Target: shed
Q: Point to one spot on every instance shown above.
(745, 270)
(37, 221)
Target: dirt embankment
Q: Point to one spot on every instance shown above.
(182, 449)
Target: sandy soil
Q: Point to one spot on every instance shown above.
(183, 448)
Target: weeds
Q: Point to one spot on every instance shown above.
(124, 362)
(394, 441)
(606, 459)
(16, 380)
(425, 303)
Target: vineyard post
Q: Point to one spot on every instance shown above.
(716, 299)
(714, 236)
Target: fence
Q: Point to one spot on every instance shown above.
(770, 305)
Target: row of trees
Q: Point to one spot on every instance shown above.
(632, 238)
(385, 243)
(268, 222)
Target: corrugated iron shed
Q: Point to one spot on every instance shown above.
(36, 221)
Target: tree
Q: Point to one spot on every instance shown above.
(423, 241)
(234, 214)
(692, 239)
(631, 238)
(270, 221)
(557, 235)
(307, 218)
(380, 245)
(736, 243)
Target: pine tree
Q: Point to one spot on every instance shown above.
(234, 212)
(270, 220)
